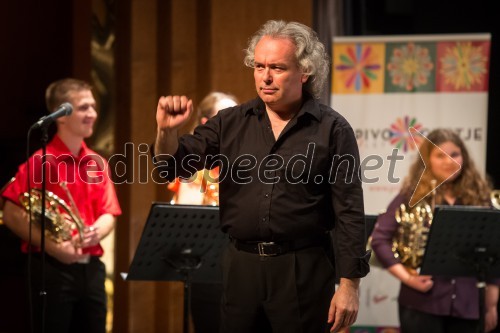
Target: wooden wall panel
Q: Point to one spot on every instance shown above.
(233, 23)
(136, 70)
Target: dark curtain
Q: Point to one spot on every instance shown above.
(328, 22)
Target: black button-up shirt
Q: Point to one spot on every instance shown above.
(301, 185)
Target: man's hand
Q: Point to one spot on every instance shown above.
(490, 319)
(90, 237)
(173, 112)
(66, 252)
(344, 305)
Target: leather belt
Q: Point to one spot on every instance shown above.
(270, 249)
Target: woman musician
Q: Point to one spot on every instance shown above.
(432, 303)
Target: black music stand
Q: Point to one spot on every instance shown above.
(180, 243)
(463, 241)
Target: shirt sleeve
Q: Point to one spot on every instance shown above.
(17, 186)
(196, 151)
(351, 257)
(383, 233)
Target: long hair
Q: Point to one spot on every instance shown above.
(310, 52)
(468, 186)
(59, 91)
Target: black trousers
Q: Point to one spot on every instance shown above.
(412, 321)
(76, 298)
(205, 307)
(286, 293)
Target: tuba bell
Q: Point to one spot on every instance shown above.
(61, 219)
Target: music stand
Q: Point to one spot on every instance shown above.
(180, 243)
(463, 241)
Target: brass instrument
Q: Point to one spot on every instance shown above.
(408, 244)
(411, 237)
(61, 220)
(495, 198)
(2, 201)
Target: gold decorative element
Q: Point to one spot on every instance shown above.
(61, 220)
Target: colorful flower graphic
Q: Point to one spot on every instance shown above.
(464, 65)
(400, 136)
(410, 66)
(358, 65)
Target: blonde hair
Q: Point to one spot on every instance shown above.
(206, 108)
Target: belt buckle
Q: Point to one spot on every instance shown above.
(262, 249)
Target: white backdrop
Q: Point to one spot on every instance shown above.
(372, 115)
(384, 84)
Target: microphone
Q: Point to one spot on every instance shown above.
(64, 109)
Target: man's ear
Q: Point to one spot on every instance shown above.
(304, 78)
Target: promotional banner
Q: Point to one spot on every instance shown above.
(383, 85)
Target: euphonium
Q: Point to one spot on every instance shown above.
(61, 220)
(410, 239)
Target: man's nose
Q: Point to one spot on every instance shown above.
(92, 112)
(267, 77)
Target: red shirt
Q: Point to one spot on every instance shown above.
(87, 178)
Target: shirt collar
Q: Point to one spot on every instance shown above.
(310, 106)
(57, 147)
(256, 107)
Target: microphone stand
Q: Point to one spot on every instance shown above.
(64, 109)
(43, 292)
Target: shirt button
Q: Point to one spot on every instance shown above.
(266, 195)
(263, 219)
(452, 281)
(453, 296)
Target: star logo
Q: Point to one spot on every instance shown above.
(399, 134)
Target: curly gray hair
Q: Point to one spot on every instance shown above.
(310, 52)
